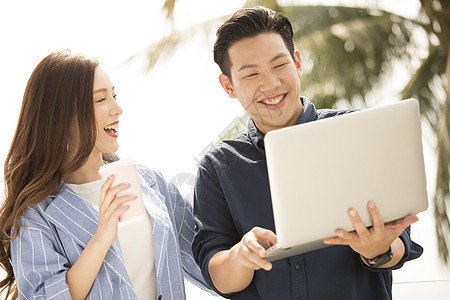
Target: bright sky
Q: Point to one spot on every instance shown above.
(180, 105)
(177, 107)
(171, 114)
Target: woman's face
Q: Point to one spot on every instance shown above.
(107, 113)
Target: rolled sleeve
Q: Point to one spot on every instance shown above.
(40, 269)
(412, 251)
(215, 229)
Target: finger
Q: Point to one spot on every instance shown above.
(264, 235)
(119, 211)
(249, 258)
(112, 193)
(377, 220)
(116, 204)
(260, 263)
(116, 207)
(342, 238)
(400, 225)
(266, 244)
(360, 228)
(118, 188)
(249, 241)
(257, 262)
(335, 241)
(118, 201)
(106, 186)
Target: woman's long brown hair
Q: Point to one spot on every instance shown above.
(57, 106)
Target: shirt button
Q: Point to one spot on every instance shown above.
(297, 267)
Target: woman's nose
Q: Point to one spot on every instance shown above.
(116, 109)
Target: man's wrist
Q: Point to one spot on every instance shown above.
(379, 260)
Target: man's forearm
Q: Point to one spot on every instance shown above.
(226, 275)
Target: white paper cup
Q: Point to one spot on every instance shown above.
(125, 171)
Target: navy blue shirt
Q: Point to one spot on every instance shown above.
(232, 196)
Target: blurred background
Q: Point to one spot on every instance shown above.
(159, 56)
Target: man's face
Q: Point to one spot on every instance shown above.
(265, 80)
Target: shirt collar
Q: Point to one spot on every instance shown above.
(257, 138)
(309, 113)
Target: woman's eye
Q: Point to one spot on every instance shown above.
(101, 100)
(115, 97)
(251, 75)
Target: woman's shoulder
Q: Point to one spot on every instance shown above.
(34, 217)
(151, 176)
(149, 173)
(39, 210)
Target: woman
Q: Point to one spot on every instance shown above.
(59, 220)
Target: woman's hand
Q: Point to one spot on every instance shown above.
(82, 274)
(111, 207)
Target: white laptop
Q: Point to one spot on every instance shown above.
(318, 170)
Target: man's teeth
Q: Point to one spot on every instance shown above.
(273, 101)
(112, 126)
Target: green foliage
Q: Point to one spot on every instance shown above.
(346, 49)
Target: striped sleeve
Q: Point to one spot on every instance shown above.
(184, 223)
(39, 267)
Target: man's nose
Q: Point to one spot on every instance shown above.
(269, 82)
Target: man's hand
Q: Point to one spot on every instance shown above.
(373, 241)
(232, 270)
(251, 250)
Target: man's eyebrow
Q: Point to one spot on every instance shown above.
(247, 67)
(281, 55)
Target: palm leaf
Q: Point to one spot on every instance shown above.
(169, 44)
(423, 85)
(442, 194)
(168, 8)
(346, 49)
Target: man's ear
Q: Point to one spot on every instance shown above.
(298, 62)
(227, 86)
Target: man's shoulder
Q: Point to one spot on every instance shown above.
(327, 113)
(227, 149)
(239, 143)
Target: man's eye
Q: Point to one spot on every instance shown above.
(280, 66)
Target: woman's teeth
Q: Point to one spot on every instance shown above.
(112, 126)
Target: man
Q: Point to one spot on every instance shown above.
(260, 67)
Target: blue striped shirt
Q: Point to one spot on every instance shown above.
(54, 232)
